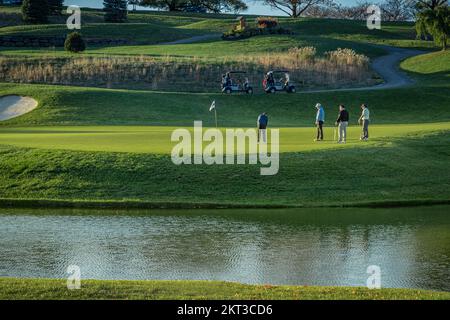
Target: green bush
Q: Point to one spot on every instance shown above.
(74, 42)
(35, 11)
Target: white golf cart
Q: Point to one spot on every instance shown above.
(278, 80)
(236, 81)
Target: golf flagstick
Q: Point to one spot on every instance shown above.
(213, 107)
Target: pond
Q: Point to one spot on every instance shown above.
(326, 247)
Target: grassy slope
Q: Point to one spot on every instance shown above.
(60, 105)
(133, 32)
(143, 28)
(392, 171)
(13, 289)
(207, 49)
(431, 69)
(400, 34)
(251, 46)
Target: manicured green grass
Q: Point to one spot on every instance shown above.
(252, 46)
(210, 50)
(394, 169)
(53, 289)
(432, 68)
(157, 140)
(64, 105)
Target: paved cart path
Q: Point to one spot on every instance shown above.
(388, 67)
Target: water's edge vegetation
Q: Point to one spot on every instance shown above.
(56, 289)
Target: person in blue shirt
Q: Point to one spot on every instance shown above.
(320, 119)
(261, 123)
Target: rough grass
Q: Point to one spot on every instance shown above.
(53, 289)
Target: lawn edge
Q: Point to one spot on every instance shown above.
(47, 289)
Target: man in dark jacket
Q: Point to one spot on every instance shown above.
(261, 123)
(342, 122)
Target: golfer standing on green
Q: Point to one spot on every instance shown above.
(320, 119)
(342, 122)
(365, 119)
(262, 122)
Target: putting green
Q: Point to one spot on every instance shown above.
(156, 140)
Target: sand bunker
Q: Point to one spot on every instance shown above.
(14, 106)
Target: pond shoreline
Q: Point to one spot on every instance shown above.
(50, 289)
(117, 204)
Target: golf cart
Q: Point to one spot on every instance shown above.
(229, 84)
(277, 81)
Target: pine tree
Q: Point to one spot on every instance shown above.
(115, 10)
(55, 6)
(35, 11)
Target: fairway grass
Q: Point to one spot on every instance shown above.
(157, 139)
(67, 105)
(53, 289)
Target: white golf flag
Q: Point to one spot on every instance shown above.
(213, 106)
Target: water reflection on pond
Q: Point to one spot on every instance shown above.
(295, 246)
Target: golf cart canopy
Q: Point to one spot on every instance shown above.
(280, 71)
(237, 71)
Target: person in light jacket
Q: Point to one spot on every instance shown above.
(365, 121)
(320, 119)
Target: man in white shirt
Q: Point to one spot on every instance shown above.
(365, 119)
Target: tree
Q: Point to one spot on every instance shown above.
(35, 11)
(435, 23)
(208, 5)
(318, 11)
(397, 10)
(295, 8)
(115, 10)
(55, 6)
